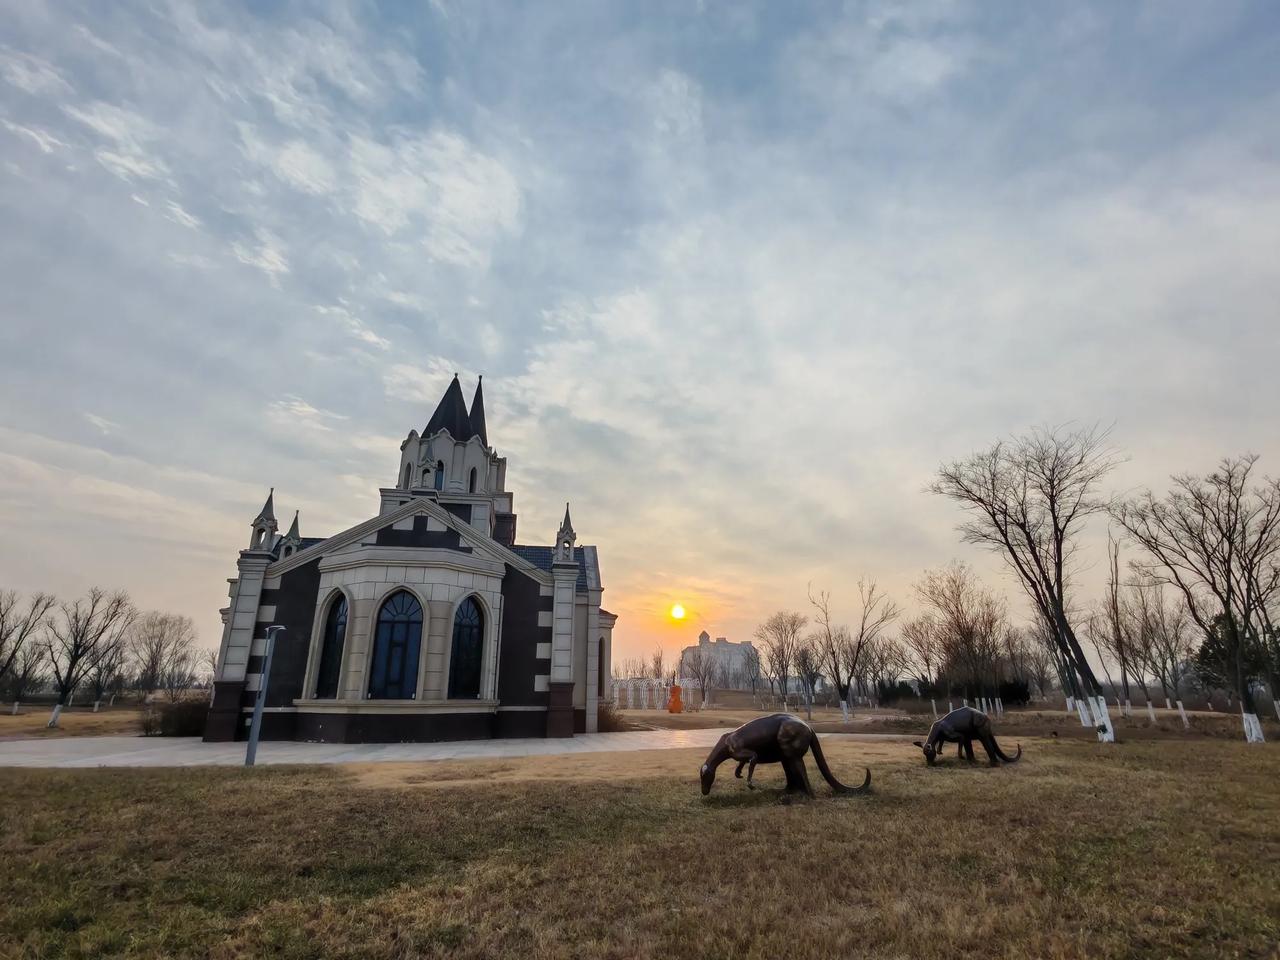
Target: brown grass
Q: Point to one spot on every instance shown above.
(846, 759)
(31, 722)
(1135, 850)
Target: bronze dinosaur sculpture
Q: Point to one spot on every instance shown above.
(962, 727)
(778, 738)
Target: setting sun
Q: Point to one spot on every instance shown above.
(677, 612)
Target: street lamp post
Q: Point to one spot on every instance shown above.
(255, 727)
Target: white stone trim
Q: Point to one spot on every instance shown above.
(541, 683)
(396, 706)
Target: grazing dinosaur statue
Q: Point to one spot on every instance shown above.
(778, 738)
(962, 727)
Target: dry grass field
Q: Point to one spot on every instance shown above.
(1142, 849)
(32, 720)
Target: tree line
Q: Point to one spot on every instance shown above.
(1197, 595)
(99, 643)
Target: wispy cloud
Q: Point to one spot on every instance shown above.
(734, 296)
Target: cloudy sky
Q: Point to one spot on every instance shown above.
(737, 279)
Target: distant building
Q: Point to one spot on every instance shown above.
(730, 660)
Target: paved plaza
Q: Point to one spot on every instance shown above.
(192, 752)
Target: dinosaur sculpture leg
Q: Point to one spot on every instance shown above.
(746, 759)
(797, 776)
(968, 750)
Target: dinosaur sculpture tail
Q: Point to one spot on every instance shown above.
(1001, 754)
(827, 775)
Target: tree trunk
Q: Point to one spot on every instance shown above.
(57, 712)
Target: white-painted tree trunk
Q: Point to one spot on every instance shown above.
(1082, 713)
(1151, 712)
(112, 701)
(965, 701)
(1276, 704)
(96, 705)
(1168, 704)
(950, 706)
(1182, 712)
(1102, 720)
(15, 708)
(934, 704)
(1000, 706)
(57, 712)
(1128, 709)
(1252, 727)
(1071, 704)
(844, 711)
(1209, 704)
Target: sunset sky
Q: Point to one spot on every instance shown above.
(737, 279)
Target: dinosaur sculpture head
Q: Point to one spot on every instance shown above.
(930, 752)
(716, 757)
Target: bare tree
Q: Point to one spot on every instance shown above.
(1040, 656)
(701, 666)
(780, 637)
(886, 661)
(657, 664)
(1028, 499)
(19, 625)
(81, 633)
(27, 673)
(751, 667)
(840, 650)
(924, 647)
(1216, 539)
(106, 676)
(809, 668)
(1115, 630)
(970, 623)
(162, 646)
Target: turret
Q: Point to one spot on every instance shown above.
(264, 525)
(292, 540)
(565, 539)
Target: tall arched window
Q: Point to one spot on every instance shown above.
(439, 479)
(468, 651)
(335, 634)
(394, 672)
(408, 475)
(471, 484)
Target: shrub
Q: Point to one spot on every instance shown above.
(180, 718)
(1015, 693)
(609, 720)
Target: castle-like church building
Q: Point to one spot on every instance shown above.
(426, 622)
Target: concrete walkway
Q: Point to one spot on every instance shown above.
(191, 752)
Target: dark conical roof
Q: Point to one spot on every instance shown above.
(268, 509)
(477, 413)
(451, 414)
(293, 530)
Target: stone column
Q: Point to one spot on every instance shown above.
(237, 643)
(560, 706)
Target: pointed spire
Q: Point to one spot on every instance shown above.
(451, 414)
(293, 529)
(268, 511)
(565, 539)
(477, 413)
